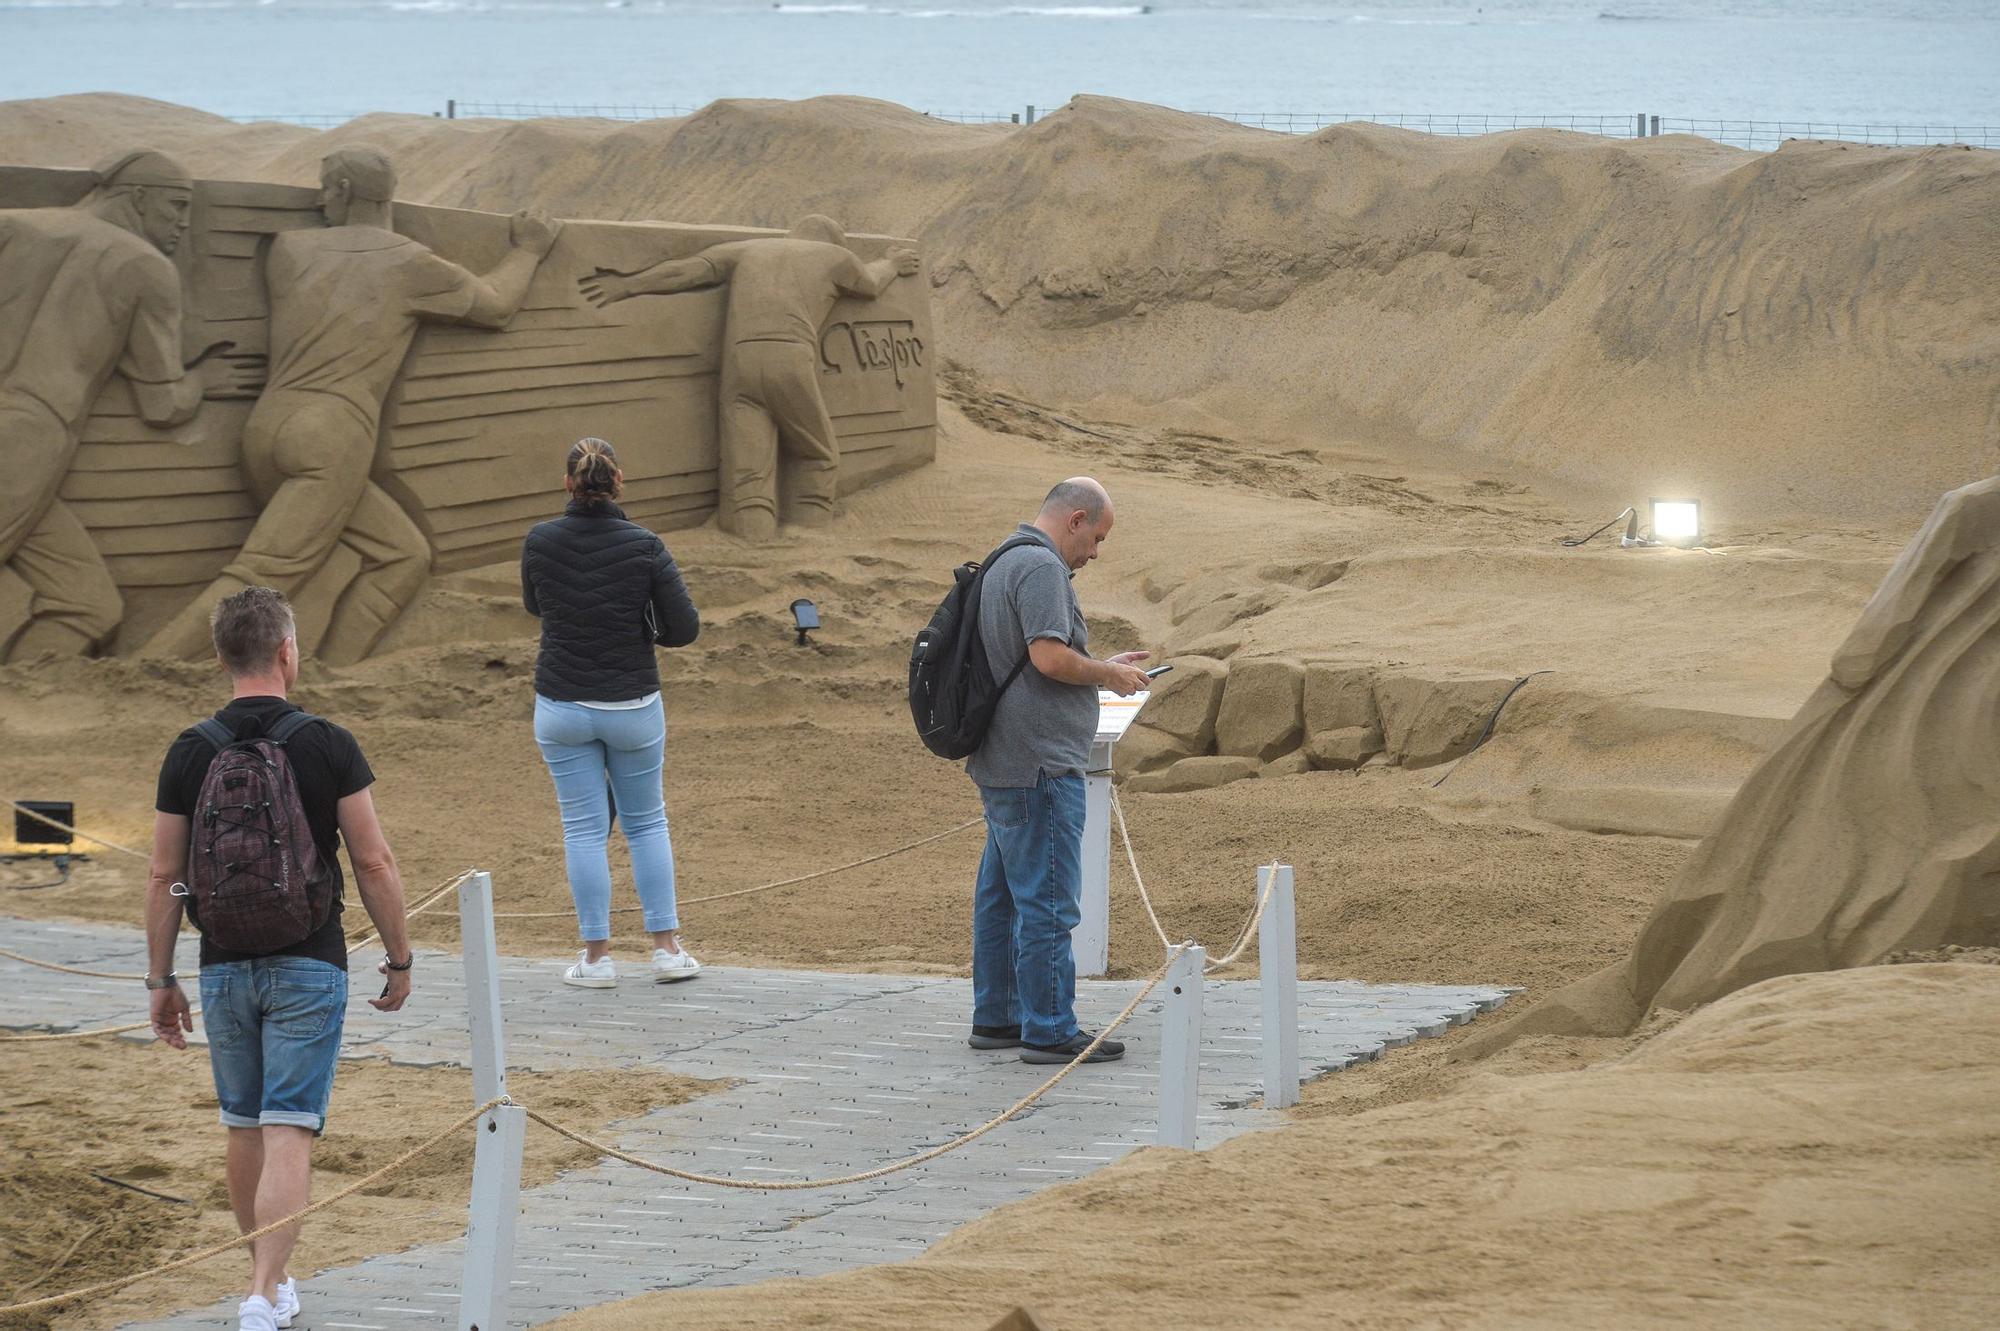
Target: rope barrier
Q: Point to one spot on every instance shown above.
(907, 1162)
(762, 887)
(217, 1250)
(424, 905)
(1250, 924)
(610, 1152)
(19, 807)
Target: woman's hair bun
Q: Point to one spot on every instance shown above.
(593, 469)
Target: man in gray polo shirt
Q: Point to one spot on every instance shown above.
(1030, 771)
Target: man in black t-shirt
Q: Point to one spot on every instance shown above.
(273, 1019)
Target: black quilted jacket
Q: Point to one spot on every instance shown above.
(589, 576)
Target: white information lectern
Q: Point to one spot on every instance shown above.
(1091, 939)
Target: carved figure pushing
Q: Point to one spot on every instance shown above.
(86, 292)
(781, 290)
(346, 302)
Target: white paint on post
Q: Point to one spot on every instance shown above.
(1180, 1048)
(496, 1207)
(482, 987)
(1278, 969)
(1091, 939)
(496, 1156)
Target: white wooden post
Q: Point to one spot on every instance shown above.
(496, 1157)
(1090, 941)
(1278, 967)
(1180, 1048)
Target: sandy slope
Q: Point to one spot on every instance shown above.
(1811, 329)
(1811, 1153)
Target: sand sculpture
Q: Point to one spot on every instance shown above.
(415, 411)
(781, 291)
(1872, 828)
(87, 290)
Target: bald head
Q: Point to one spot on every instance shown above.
(1077, 517)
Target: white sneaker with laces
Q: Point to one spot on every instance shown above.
(286, 1307)
(256, 1314)
(588, 974)
(671, 966)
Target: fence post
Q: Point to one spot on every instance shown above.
(1031, 116)
(496, 1156)
(1278, 970)
(1639, 125)
(1656, 128)
(1090, 941)
(451, 108)
(1180, 1049)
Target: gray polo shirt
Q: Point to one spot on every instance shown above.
(1041, 726)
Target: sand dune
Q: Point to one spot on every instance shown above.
(1809, 330)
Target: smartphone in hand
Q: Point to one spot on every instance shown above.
(1157, 671)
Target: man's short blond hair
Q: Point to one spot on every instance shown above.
(249, 627)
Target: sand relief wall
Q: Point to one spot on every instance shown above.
(204, 383)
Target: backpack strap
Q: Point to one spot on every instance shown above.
(289, 725)
(1011, 543)
(218, 735)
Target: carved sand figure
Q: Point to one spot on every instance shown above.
(781, 290)
(346, 302)
(87, 291)
(1874, 827)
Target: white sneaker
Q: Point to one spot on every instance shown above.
(287, 1305)
(671, 966)
(588, 974)
(256, 1314)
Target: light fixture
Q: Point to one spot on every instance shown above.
(1677, 521)
(30, 830)
(805, 618)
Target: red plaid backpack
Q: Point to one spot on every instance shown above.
(254, 875)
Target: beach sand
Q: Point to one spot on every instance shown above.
(1347, 391)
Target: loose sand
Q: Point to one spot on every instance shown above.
(1422, 361)
(145, 1114)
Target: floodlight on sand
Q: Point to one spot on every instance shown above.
(1675, 522)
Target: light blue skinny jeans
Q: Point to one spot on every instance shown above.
(582, 745)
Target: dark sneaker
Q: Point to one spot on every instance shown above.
(995, 1037)
(1108, 1052)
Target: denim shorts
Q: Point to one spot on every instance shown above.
(273, 1038)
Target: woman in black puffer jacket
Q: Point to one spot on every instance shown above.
(606, 590)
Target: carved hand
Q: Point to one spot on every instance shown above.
(905, 260)
(233, 376)
(605, 287)
(534, 232)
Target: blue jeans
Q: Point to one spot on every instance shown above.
(1025, 904)
(582, 745)
(273, 1038)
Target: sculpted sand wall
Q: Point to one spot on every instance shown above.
(473, 430)
(1811, 330)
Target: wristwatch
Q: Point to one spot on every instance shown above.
(404, 965)
(167, 981)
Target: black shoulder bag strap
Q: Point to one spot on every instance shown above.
(1011, 543)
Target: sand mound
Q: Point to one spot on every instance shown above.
(1663, 1189)
(1810, 329)
(1868, 830)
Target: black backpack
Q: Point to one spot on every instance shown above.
(952, 690)
(254, 874)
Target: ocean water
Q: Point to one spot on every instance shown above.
(1920, 62)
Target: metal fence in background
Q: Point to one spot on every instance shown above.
(1758, 135)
